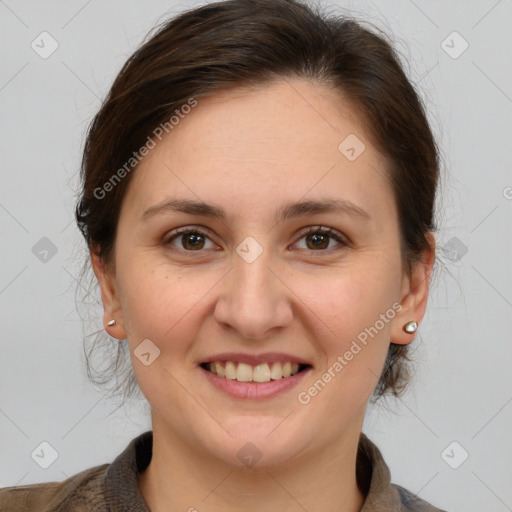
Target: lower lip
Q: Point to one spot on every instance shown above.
(254, 390)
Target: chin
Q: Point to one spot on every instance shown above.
(257, 442)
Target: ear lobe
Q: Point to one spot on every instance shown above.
(415, 290)
(109, 297)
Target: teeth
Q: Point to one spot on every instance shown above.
(219, 369)
(261, 373)
(243, 372)
(230, 370)
(276, 372)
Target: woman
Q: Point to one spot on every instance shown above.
(258, 196)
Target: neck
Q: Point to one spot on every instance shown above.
(180, 477)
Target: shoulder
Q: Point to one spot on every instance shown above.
(411, 503)
(98, 489)
(374, 479)
(81, 492)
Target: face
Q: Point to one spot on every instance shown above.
(255, 279)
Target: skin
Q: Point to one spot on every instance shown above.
(250, 151)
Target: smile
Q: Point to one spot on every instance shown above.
(264, 372)
(256, 381)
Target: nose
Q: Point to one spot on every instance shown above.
(253, 300)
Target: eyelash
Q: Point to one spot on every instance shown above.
(310, 230)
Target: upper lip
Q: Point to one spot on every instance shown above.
(255, 359)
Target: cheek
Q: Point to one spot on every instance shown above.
(159, 305)
(160, 302)
(354, 308)
(348, 301)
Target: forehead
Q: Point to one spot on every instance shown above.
(285, 118)
(250, 147)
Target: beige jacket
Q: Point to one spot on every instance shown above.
(114, 487)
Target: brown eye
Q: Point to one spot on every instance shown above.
(189, 239)
(318, 238)
(192, 241)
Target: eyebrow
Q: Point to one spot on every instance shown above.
(287, 211)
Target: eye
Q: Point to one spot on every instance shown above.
(319, 238)
(190, 239)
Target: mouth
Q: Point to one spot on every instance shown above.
(259, 373)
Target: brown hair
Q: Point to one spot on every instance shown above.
(242, 42)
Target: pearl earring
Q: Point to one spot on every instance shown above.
(411, 326)
(111, 323)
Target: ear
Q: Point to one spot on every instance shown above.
(414, 294)
(112, 310)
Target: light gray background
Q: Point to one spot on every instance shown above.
(462, 390)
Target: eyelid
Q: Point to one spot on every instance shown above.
(342, 239)
(168, 237)
(331, 232)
